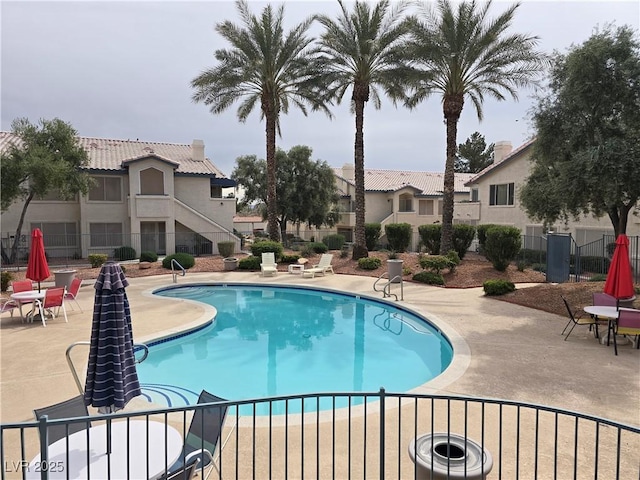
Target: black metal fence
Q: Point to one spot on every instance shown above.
(369, 438)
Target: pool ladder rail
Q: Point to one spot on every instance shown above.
(386, 288)
(74, 371)
(176, 264)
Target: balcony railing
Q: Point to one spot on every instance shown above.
(367, 435)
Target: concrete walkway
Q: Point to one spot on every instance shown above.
(501, 350)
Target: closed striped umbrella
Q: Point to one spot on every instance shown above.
(112, 379)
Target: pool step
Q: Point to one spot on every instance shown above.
(168, 395)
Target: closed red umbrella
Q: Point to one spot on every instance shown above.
(620, 279)
(37, 268)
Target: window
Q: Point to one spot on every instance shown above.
(425, 207)
(57, 234)
(105, 234)
(106, 189)
(501, 194)
(216, 191)
(440, 204)
(54, 195)
(406, 203)
(151, 182)
(474, 194)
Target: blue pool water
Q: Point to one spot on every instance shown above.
(269, 341)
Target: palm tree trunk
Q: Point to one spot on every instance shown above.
(360, 93)
(452, 108)
(272, 208)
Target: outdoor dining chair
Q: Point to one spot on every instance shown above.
(628, 323)
(72, 293)
(73, 407)
(604, 299)
(203, 436)
(577, 319)
(8, 306)
(54, 297)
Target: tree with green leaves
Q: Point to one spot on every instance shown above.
(307, 191)
(465, 54)
(587, 153)
(45, 157)
(473, 155)
(364, 50)
(267, 66)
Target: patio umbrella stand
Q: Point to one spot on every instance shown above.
(37, 266)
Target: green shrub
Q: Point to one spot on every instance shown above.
(521, 265)
(502, 245)
(97, 259)
(598, 277)
(318, 247)
(436, 263)
(151, 257)
(264, 246)
(398, 236)
(463, 236)
(482, 234)
(531, 256)
(124, 269)
(5, 278)
(250, 263)
(306, 251)
(186, 260)
(430, 236)
(539, 267)
(372, 232)
(369, 263)
(430, 278)
(344, 253)
(454, 258)
(406, 271)
(334, 241)
(124, 253)
(226, 249)
(594, 264)
(392, 255)
(289, 259)
(498, 287)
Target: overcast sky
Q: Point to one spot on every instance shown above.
(122, 70)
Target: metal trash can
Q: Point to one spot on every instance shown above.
(395, 270)
(63, 278)
(442, 456)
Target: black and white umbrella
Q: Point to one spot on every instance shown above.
(112, 379)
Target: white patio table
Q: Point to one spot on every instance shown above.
(30, 296)
(602, 311)
(137, 451)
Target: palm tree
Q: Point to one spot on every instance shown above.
(463, 53)
(364, 49)
(263, 65)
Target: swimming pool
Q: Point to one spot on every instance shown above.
(270, 340)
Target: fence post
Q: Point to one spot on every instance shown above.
(44, 448)
(382, 433)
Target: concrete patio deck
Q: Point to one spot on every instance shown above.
(501, 350)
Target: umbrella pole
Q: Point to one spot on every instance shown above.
(108, 436)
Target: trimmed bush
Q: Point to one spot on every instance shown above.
(498, 287)
(306, 251)
(369, 263)
(463, 236)
(430, 278)
(289, 259)
(482, 234)
(334, 241)
(430, 236)
(124, 253)
(531, 256)
(250, 263)
(264, 246)
(502, 245)
(186, 260)
(5, 278)
(398, 236)
(318, 247)
(97, 259)
(436, 263)
(151, 257)
(454, 258)
(226, 249)
(372, 232)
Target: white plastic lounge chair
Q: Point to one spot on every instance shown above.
(268, 265)
(322, 267)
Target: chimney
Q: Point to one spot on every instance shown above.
(501, 150)
(197, 150)
(349, 171)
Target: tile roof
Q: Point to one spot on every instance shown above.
(427, 183)
(114, 155)
(512, 154)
